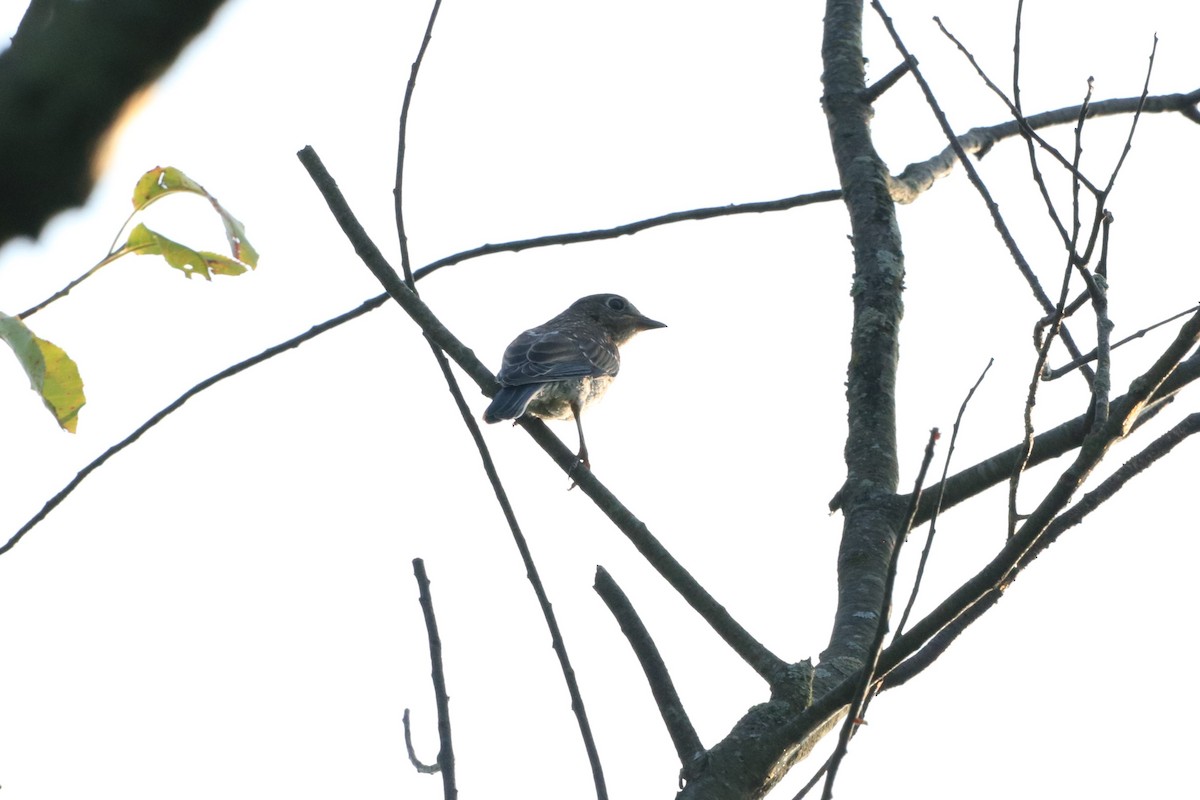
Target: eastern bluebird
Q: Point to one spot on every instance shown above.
(559, 368)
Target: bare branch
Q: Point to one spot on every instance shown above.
(228, 372)
(418, 764)
(531, 572)
(973, 175)
(712, 212)
(687, 743)
(871, 521)
(912, 598)
(1026, 132)
(876, 90)
(920, 176)
(445, 759)
(398, 191)
(927, 654)
(1053, 443)
(1058, 372)
(1137, 115)
(762, 660)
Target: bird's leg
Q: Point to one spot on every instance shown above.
(583, 453)
(582, 457)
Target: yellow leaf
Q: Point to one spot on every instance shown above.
(52, 373)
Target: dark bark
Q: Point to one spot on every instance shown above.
(71, 70)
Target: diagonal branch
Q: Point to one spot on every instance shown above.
(1050, 444)
(687, 743)
(762, 660)
(927, 654)
(178, 403)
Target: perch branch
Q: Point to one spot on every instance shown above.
(763, 661)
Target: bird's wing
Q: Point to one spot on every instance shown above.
(539, 355)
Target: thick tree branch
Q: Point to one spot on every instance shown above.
(70, 72)
(871, 518)
(919, 176)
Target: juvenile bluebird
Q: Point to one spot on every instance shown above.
(556, 370)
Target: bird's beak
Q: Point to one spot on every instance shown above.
(645, 323)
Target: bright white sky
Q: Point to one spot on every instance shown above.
(227, 608)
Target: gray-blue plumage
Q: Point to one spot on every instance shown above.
(557, 369)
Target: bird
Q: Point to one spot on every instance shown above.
(559, 368)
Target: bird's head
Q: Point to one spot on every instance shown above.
(616, 315)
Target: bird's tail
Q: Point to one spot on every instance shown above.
(510, 402)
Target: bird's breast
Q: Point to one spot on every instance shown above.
(554, 399)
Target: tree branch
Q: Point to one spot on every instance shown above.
(72, 69)
(445, 759)
(687, 743)
(762, 660)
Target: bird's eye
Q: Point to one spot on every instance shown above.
(616, 303)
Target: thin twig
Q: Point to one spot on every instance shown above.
(1137, 115)
(916, 663)
(531, 572)
(241, 366)
(628, 228)
(445, 759)
(1055, 442)
(1053, 324)
(941, 495)
(808, 787)
(398, 191)
(1028, 133)
(1058, 372)
(973, 175)
(419, 765)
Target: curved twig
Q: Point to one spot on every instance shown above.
(418, 764)
(445, 759)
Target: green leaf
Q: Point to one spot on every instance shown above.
(145, 242)
(161, 181)
(52, 373)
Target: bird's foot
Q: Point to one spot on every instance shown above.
(580, 463)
